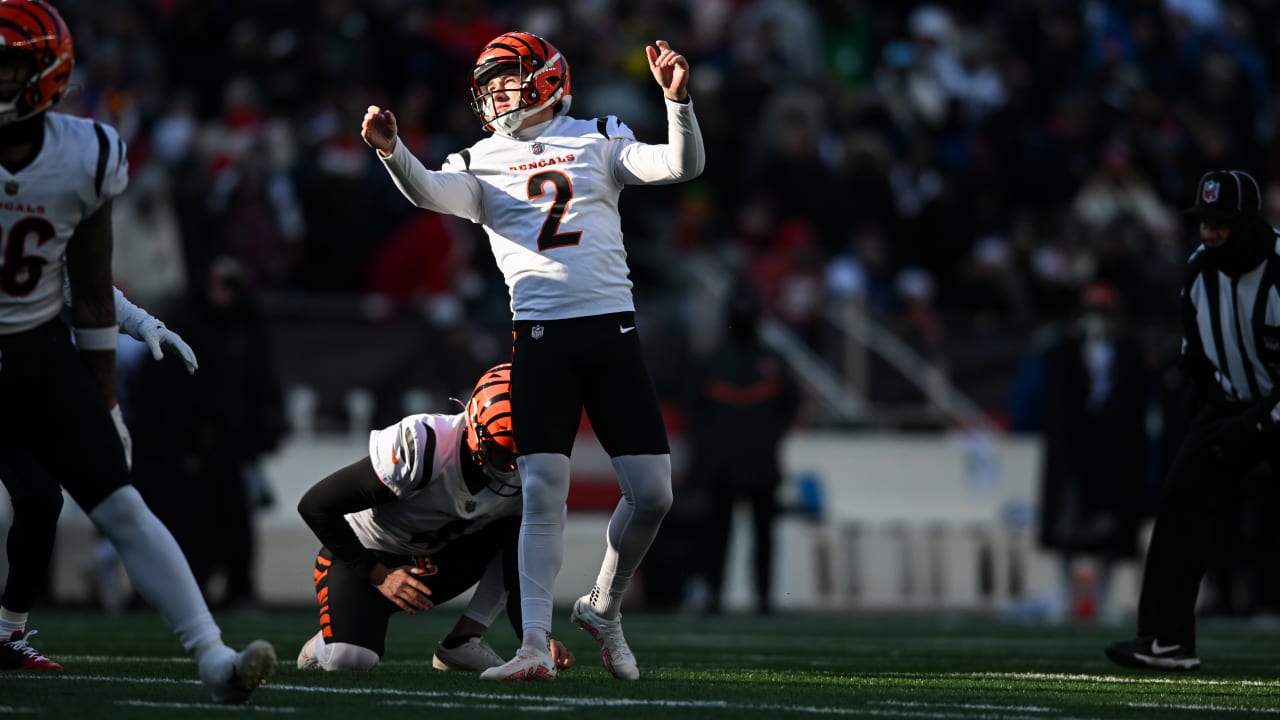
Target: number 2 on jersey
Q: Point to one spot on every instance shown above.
(550, 236)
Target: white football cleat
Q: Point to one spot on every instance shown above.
(528, 664)
(474, 655)
(233, 676)
(614, 651)
(307, 659)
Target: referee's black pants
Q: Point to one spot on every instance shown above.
(1203, 481)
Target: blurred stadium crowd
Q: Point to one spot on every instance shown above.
(961, 169)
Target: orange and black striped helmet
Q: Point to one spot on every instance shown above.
(34, 29)
(489, 438)
(540, 69)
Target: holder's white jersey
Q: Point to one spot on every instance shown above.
(419, 459)
(80, 166)
(548, 199)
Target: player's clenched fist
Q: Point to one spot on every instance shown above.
(379, 129)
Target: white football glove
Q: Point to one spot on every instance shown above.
(140, 325)
(157, 337)
(125, 439)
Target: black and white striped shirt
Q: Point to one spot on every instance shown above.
(1231, 330)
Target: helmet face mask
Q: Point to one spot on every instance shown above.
(490, 442)
(536, 76)
(33, 33)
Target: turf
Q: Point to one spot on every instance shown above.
(790, 666)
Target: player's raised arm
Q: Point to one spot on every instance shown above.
(683, 156)
(670, 69)
(379, 130)
(445, 191)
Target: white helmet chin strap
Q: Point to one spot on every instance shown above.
(9, 111)
(507, 123)
(505, 483)
(503, 476)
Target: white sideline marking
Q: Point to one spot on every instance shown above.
(204, 706)
(542, 703)
(1214, 708)
(967, 706)
(550, 705)
(1117, 679)
(474, 706)
(121, 658)
(13, 710)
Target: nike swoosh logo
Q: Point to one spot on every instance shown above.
(625, 330)
(1159, 649)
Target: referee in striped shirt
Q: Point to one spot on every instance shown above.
(1231, 352)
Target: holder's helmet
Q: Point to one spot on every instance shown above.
(488, 430)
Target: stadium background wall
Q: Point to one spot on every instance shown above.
(882, 521)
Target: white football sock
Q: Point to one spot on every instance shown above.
(646, 496)
(345, 656)
(157, 568)
(11, 622)
(490, 595)
(545, 481)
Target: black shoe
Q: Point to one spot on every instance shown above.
(1148, 652)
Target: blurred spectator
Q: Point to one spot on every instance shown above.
(793, 167)
(420, 260)
(790, 279)
(1115, 190)
(780, 38)
(216, 426)
(147, 256)
(255, 210)
(1096, 387)
(743, 400)
(943, 124)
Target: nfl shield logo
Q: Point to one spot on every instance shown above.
(1210, 192)
(11, 187)
(536, 332)
(537, 148)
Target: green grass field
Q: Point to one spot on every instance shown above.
(800, 666)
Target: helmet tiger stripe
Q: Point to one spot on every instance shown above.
(543, 77)
(33, 29)
(488, 424)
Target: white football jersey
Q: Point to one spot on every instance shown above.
(420, 460)
(548, 199)
(80, 166)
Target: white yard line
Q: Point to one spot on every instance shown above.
(1117, 679)
(521, 702)
(204, 706)
(1213, 708)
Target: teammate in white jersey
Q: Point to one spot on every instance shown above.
(545, 187)
(432, 510)
(37, 501)
(59, 174)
